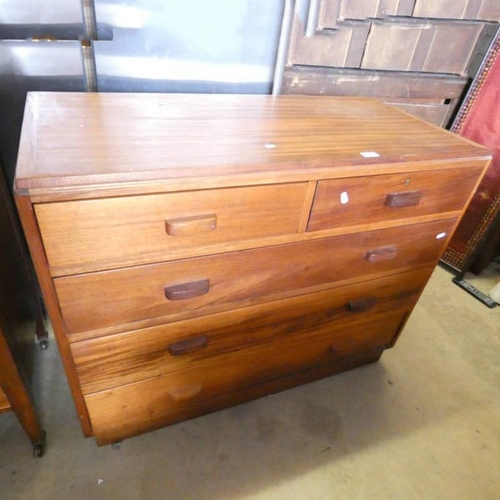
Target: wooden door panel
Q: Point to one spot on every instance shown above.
(458, 9)
(331, 12)
(371, 83)
(342, 47)
(417, 45)
(432, 97)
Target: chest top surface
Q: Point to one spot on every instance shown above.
(78, 139)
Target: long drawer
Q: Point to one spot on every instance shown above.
(125, 409)
(124, 358)
(114, 431)
(118, 300)
(363, 200)
(91, 235)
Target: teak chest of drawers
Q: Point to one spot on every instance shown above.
(198, 251)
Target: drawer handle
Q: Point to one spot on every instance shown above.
(188, 346)
(381, 254)
(360, 305)
(184, 393)
(191, 226)
(187, 290)
(404, 199)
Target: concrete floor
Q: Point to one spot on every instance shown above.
(423, 423)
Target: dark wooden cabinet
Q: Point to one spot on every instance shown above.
(196, 252)
(20, 319)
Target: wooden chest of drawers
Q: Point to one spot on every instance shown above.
(196, 252)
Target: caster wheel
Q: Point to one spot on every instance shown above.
(117, 445)
(38, 450)
(44, 345)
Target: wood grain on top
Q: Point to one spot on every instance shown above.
(77, 139)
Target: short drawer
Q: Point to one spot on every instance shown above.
(90, 235)
(124, 358)
(364, 200)
(120, 300)
(126, 409)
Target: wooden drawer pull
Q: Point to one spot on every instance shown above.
(187, 290)
(381, 254)
(184, 393)
(188, 346)
(191, 226)
(404, 199)
(360, 305)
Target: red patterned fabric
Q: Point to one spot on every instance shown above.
(481, 124)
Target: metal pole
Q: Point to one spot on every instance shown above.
(286, 29)
(87, 46)
(89, 19)
(312, 18)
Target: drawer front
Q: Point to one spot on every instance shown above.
(133, 356)
(119, 300)
(90, 235)
(125, 408)
(364, 200)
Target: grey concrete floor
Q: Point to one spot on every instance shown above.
(423, 423)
